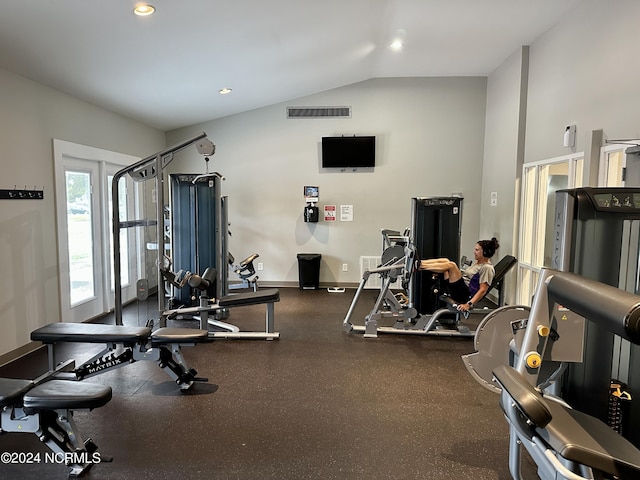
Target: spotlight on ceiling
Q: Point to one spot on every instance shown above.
(144, 10)
(224, 91)
(396, 45)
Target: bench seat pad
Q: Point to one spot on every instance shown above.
(268, 295)
(90, 333)
(67, 395)
(576, 436)
(168, 335)
(585, 439)
(11, 389)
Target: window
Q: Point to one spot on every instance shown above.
(80, 237)
(613, 162)
(540, 181)
(83, 178)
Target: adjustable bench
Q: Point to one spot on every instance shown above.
(46, 410)
(266, 296)
(126, 345)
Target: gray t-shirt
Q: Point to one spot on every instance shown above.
(477, 274)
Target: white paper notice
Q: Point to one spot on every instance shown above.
(346, 213)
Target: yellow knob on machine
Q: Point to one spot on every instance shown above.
(543, 330)
(533, 360)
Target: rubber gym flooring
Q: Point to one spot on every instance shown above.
(316, 404)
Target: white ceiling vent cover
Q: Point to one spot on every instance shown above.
(318, 112)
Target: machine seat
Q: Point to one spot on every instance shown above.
(576, 436)
(269, 295)
(587, 440)
(168, 335)
(66, 395)
(12, 389)
(90, 333)
(501, 269)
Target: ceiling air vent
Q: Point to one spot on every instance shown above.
(318, 112)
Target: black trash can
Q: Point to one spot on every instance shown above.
(309, 270)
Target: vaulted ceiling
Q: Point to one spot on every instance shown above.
(167, 69)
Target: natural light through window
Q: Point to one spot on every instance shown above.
(80, 237)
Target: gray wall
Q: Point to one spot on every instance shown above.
(504, 148)
(503, 156)
(430, 135)
(31, 115)
(584, 71)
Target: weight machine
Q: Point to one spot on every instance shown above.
(597, 235)
(397, 262)
(149, 168)
(542, 362)
(524, 359)
(421, 308)
(246, 271)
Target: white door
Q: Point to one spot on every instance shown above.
(83, 206)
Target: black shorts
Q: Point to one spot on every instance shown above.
(459, 291)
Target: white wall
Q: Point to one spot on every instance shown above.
(31, 115)
(584, 71)
(430, 135)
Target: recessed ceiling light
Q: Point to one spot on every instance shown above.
(144, 10)
(396, 45)
(224, 91)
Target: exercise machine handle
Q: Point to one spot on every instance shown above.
(614, 309)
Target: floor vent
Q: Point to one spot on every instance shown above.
(367, 263)
(318, 112)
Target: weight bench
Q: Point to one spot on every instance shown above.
(267, 297)
(126, 345)
(46, 409)
(576, 437)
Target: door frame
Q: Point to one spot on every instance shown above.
(73, 156)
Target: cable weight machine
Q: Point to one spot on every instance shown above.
(148, 169)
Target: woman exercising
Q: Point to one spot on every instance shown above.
(470, 285)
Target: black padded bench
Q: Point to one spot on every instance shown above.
(140, 343)
(267, 296)
(46, 410)
(574, 435)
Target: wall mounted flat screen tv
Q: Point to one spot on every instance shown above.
(348, 152)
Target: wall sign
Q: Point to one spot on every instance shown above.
(329, 213)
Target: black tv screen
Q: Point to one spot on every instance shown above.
(348, 152)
